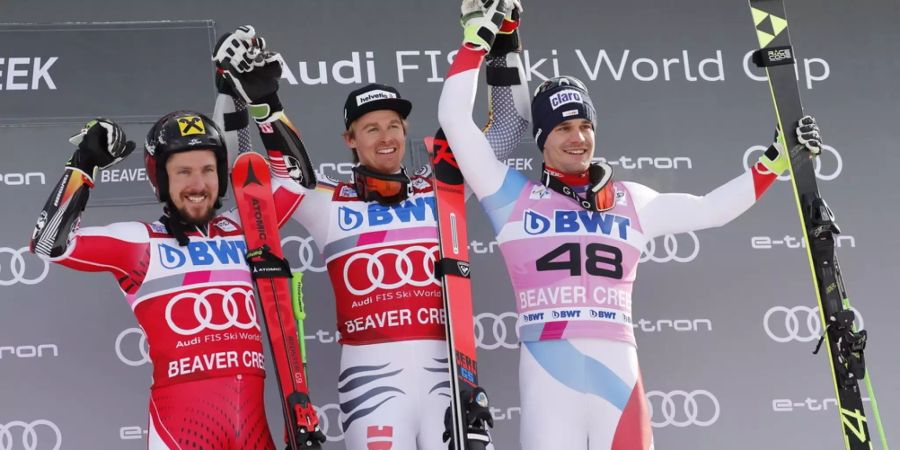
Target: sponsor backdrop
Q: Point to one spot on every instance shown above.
(725, 318)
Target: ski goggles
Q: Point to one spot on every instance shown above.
(387, 189)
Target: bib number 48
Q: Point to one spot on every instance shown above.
(599, 260)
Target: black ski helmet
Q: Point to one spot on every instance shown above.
(182, 131)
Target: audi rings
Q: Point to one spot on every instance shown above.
(817, 164)
(30, 438)
(682, 409)
(143, 348)
(492, 331)
(14, 270)
(330, 421)
(794, 318)
(419, 273)
(307, 255)
(204, 313)
(673, 251)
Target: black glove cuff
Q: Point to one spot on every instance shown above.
(502, 76)
(236, 120)
(270, 99)
(505, 43)
(82, 161)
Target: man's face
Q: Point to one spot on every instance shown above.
(379, 138)
(193, 184)
(569, 147)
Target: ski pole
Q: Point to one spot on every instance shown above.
(299, 309)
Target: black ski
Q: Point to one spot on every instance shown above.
(845, 344)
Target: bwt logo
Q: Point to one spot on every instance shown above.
(135, 352)
(29, 352)
(567, 221)
(566, 314)
(34, 435)
(203, 253)
(23, 179)
(800, 323)
(419, 209)
(827, 166)
(768, 243)
(565, 97)
(26, 74)
(682, 409)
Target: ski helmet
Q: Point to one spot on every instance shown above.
(557, 100)
(182, 131)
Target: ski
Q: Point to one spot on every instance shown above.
(469, 408)
(253, 195)
(844, 343)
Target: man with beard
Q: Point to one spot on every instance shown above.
(184, 276)
(379, 237)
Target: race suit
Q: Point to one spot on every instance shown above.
(393, 385)
(572, 272)
(196, 306)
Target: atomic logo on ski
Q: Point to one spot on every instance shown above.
(768, 26)
(251, 177)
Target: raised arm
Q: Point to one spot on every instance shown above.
(483, 170)
(248, 73)
(115, 248)
(509, 109)
(678, 213)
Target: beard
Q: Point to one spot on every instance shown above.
(201, 220)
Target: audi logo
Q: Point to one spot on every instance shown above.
(492, 331)
(822, 174)
(133, 358)
(414, 265)
(330, 422)
(204, 313)
(801, 323)
(29, 437)
(13, 270)
(671, 249)
(308, 256)
(682, 409)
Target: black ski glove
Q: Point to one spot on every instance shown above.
(101, 144)
(245, 69)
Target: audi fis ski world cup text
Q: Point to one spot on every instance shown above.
(628, 64)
